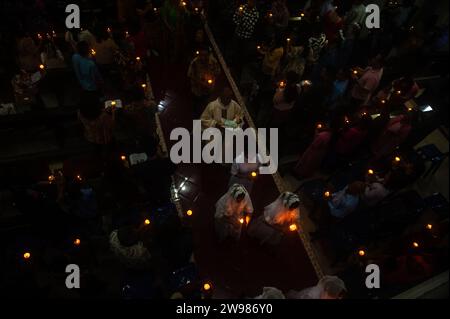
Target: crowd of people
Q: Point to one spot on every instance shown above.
(340, 94)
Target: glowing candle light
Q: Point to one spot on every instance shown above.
(189, 212)
(282, 84)
(79, 178)
(410, 109)
(361, 253)
(147, 222)
(270, 15)
(41, 66)
(77, 242)
(123, 158)
(127, 34)
(197, 52)
(347, 121)
(415, 244)
(39, 36)
(183, 3)
(26, 255)
(429, 226)
(241, 8)
(355, 72)
(258, 47)
(370, 172)
(302, 14)
(253, 174)
(93, 52)
(293, 227)
(138, 58)
(143, 85)
(327, 194)
(383, 101)
(319, 126)
(397, 159)
(210, 81)
(108, 30)
(288, 40)
(399, 92)
(196, 9)
(207, 286)
(247, 219)
(241, 220)
(51, 178)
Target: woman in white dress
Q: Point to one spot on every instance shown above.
(231, 212)
(277, 219)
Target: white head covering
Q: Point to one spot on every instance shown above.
(332, 285)
(279, 213)
(228, 206)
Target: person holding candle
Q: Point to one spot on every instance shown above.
(85, 68)
(280, 16)
(367, 83)
(244, 170)
(393, 135)
(277, 218)
(311, 160)
(203, 71)
(28, 54)
(231, 209)
(284, 100)
(272, 56)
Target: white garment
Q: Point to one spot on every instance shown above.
(278, 214)
(375, 193)
(327, 284)
(213, 113)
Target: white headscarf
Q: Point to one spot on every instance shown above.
(228, 206)
(271, 293)
(279, 213)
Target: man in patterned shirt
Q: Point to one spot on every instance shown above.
(245, 19)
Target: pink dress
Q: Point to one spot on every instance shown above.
(392, 136)
(312, 158)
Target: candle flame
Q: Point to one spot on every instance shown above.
(319, 126)
(123, 157)
(415, 244)
(293, 227)
(327, 194)
(147, 222)
(144, 85)
(429, 226)
(26, 255)
(41, 66)
(189, 212)
(361, 253)
(370, 171)
(397, 159)
(241, 220)
(207, 286)
(254, 174)
(77, 242)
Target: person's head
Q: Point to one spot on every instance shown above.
(332, 288)
(251, 4)
(128, 236)
(356, 188)
(226, 96)
(83, 48)
(238, 192)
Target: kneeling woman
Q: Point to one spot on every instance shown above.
(278, 217)
(231, 211)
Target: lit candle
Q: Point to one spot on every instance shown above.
(108, 30)
(258, 47)
(241, 220)
(383, 101)
(327, 194)
(270, 15)
(355, 72)
(147, 222)
(138, 58)
(319, 126)
(183, 3)
(196, 9)
(253, 174)
(210, 81)
(361, 253)
(282, 84)
(410, 109)
(51, 178)
(241, 8)
(293, 227)
(247, 219)
(39, 36)
(26, 255)
(189, 212)
(397, 159)
(113, 103)
(207, 286)
(415, 244)
(370, 172)
(429, 226)
(79, 178)
(93, 52)
(123, 158)
(143, 85)
(347, 121)
(127, 34)
(77, 242)
(399, 92)
(302, 14)
(288, 40)
(54, 33)
(41, 66)
(197, 52)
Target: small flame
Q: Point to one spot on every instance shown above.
(362, 253)
(147, 222)
(293, 227)
(207, 286)
(77, 242)
(41, 66)
(189, 212)
(26, 255)
(254, 174)
(429, 226)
